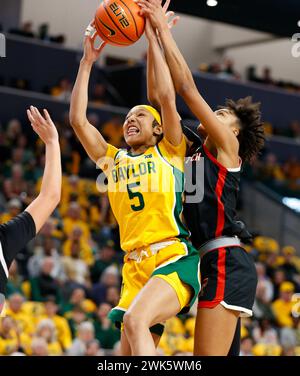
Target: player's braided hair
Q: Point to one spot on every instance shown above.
(251, 136)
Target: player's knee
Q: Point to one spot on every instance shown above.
(132, 322)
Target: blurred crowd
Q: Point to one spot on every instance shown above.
(226, 70)
(62, 286)
(281, 176)
(41, 33)
(63, 89)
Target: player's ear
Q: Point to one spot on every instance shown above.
(236, 131)
(157, 130)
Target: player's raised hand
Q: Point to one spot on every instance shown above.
(42, 125)
(158, 15)
(172, 19)
(91, 53)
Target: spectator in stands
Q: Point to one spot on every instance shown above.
(112, 130)
(76, 264)
(291, 169)
(109, 278)
(75, 317)
(215, 68)
(264, 280)
(294, 130)
(17, 312)
(104, 258)
(246, 346)
(251, 74)
(73, 219)
(11, 338)
(86, 334)
(288, 341)
(105, 330)
(278, 278)
(93, 348)
(39, 347)
(24, 31)
(288, 265)
(15, 283)
(43, 32)
(14, 207)
(282, 307)
(44, 284)
(78, 299)
(14, 186)
(61, 325)
(112, 295)
(265, 333)
(267, 76)
(261, 307)
(47, 249)
(49, 230)
(77, 246)
(46, 330)
(99, 94)
(271, 170)
(63, 90)
(13, 132)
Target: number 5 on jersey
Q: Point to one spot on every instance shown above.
(132, 195)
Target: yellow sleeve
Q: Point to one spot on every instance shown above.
(173, 154)
(107, 162)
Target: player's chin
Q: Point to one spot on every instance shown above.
(133, 140)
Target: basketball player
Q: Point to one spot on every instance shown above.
(145, 185)
(16, 233)
(234, 134)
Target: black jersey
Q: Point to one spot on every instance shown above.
(14, 235)
(214, 215)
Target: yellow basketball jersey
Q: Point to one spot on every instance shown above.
(146, 193)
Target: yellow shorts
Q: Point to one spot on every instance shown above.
(166, 263)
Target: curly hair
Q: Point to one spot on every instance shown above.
(251, 136)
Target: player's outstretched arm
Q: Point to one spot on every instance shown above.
(184, 82)
(89, 136)
(47, 200)
(151, 89)
(164, 89)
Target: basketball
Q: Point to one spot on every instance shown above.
(118, 22)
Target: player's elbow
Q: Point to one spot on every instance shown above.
(75, 120)
(53, 197)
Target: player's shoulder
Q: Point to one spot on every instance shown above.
(122, 153)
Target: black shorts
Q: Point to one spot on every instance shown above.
(228, 277)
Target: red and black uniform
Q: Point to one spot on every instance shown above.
(228, 274)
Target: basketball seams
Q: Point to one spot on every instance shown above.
(107, 12)
(104, 37)
(132, 16)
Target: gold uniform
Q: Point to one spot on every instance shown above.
(146, 194)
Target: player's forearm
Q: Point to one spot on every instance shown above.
(79, 99)
(180, 71)
(163, 81)
(43, 206)
(52, 178)
(151, 92)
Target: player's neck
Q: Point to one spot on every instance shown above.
(210, 146)
(139, 149)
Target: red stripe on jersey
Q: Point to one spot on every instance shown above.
(213, 159)
(219, 191)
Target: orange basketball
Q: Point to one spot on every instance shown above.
(118, 22)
